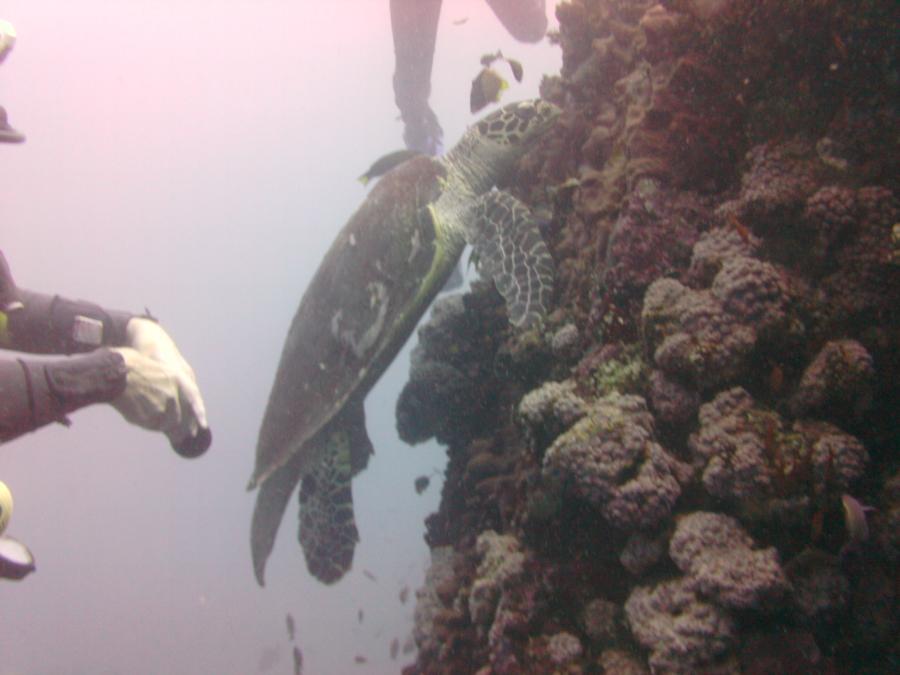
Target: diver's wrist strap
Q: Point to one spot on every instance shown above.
(50, 324)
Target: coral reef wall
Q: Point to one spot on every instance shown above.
(674, 474)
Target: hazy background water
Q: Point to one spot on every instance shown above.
(197, 158)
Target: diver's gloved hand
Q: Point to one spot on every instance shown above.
(7, 42)
(16, 560)
(7, 38)
(161, 392)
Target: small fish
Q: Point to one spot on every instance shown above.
(370, 576)
(776, 379)
(460, 22)
(516, 68)
(298, 661)
(488, 59)
(421, 484)
(486, 89)
(289, 620)
(395, 648)
(404, 594)
(385, 163)
(359, 658)
(359, 616)
(855, 521)
(839, 45)
(740, 228)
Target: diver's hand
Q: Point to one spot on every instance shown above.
(16, 560)
(161, 391)
(421, 130)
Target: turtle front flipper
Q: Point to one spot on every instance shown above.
(509, 249)
(327, 532)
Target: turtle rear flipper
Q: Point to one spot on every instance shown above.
(327, 532)
(271, 501)
(327, 527)
(509, 249)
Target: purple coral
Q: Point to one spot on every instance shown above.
(502, 565)
(752, 291)
(612, 460)
(730, 453)
(565, 342)
(551, 408)
(839, 381)
(428, 600)
(830, 213)
(707, 336)
(865, 284)
(652, 237)
(837, 458)
(563, 648)
(775, 186)
(745, 451)
(714, 248)
(672, 403)
(715, 551)
(682, 631)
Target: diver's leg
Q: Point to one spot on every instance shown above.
(526, 20)
(414, 25)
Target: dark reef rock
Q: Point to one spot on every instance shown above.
(654, 481)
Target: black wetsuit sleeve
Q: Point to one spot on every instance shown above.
(35, 392)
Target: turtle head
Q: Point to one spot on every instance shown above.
(517, 124)
(501, 138)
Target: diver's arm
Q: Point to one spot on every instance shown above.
(35, 392)
(158, 391)
(525, 20)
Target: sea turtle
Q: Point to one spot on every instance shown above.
(377, 279)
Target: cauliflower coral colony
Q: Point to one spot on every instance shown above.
(692, 466)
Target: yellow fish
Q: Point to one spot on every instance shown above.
(486, 89)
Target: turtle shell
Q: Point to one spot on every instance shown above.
(375, 282)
